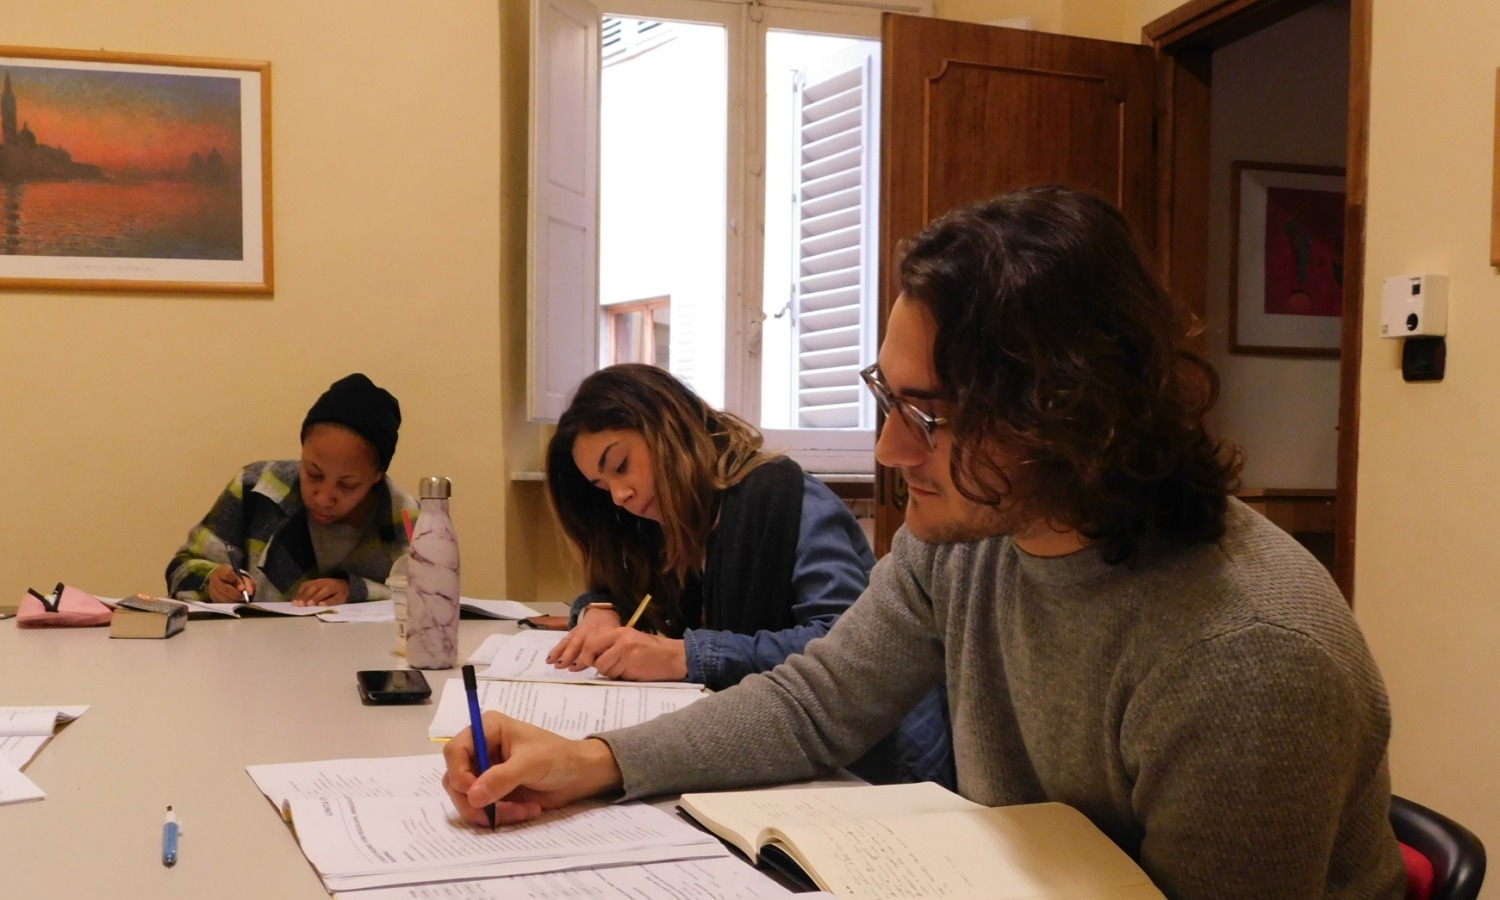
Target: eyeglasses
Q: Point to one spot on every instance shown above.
(925, 425)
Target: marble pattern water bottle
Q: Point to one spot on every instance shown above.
(432, 581)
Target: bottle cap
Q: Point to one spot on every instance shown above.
(435, 487)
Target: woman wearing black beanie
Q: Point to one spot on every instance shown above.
(317, 531)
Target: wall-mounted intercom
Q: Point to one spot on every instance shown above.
(1415, 307)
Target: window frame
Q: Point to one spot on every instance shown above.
(746, 24)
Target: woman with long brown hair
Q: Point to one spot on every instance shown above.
(746, 557)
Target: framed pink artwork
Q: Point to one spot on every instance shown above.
(1286, 269)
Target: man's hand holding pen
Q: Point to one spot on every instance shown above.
(534, 770)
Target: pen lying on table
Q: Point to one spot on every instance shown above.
(169, 833)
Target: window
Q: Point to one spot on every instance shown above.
(731, 165)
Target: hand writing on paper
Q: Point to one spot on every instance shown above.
(533, 769)
(631, 655)
(322, 592)
(593, 621)
(225, 585)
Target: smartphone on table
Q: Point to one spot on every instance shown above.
(385, 686)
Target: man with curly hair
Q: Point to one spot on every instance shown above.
(1115, 631)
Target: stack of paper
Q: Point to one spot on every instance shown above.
(724, 878)
(23, 732)
(522, 684)
(368, 823)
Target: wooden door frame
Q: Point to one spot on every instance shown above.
(1184, 40)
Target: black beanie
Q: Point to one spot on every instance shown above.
(369, 411)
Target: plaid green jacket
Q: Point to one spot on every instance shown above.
(260, 519)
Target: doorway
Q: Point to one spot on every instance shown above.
(951, 88)
(1188, 40)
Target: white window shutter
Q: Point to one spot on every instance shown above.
(562, 320)
(834, 252)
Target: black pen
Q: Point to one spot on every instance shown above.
(240, 572)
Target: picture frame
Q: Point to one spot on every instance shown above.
(1286, 259)
(134, 172)
(1495, 183)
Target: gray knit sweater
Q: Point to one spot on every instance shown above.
(1215, 710)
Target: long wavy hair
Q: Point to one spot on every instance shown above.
(1058, 346)
(697, 453)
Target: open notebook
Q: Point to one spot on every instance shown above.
(370, 611)
(921, 840)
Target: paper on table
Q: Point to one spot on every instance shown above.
(523, 657)
(16, 787)
(722, 878)
(378, 822)
(498, 609)
(359, 843)
(369, 611)
(26, 729)
(484, 654)
(395, 776)
(571, 710)
(385, 610)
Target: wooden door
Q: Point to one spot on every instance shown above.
(969, 111)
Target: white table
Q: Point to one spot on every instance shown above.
(176, 722)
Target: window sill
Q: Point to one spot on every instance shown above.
(845, 485)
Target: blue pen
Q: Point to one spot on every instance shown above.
(169, 833)
(471, 687)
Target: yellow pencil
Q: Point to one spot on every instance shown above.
(638, 610)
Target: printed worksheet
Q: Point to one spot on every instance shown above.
(523, 657)
(393, 776)
(24, 730)
(367, 823)
(571, 710)
(724, 878)
(15, 787)
(385, 610)
(369, 611)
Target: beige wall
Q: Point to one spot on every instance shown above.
(1116, 20)
(125, 414)
(1425, 577)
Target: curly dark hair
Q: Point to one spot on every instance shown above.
(1056, 344)
(697, 452)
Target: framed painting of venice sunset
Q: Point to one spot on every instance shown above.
(122, 171)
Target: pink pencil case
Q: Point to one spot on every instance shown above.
(65, 607)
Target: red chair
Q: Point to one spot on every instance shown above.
(1444, 860)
